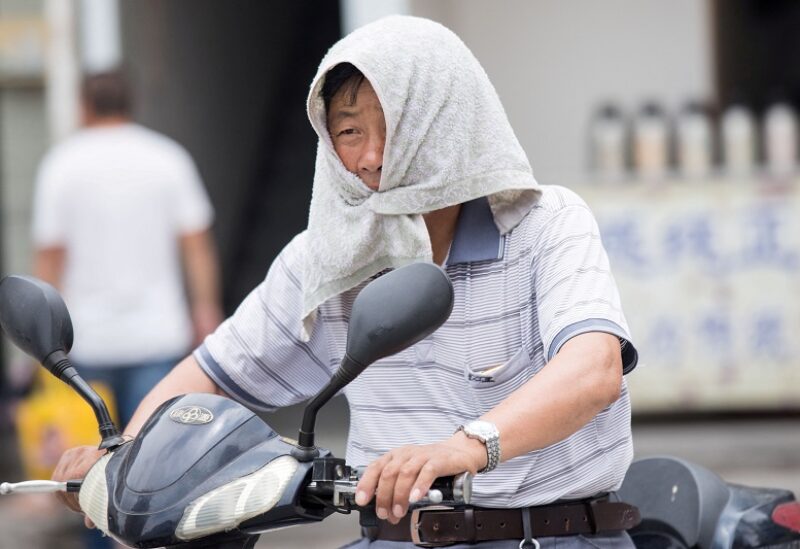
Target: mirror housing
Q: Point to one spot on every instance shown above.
(394, 312)
(36, 319)
(391, 313)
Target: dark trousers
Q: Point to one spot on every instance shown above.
(602, 541)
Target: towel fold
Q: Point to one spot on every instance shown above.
(448, 141)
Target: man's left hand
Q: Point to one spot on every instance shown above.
(404, 475)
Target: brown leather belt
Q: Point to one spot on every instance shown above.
(437, 526)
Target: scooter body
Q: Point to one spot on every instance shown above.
(194, 470)
(684, 505)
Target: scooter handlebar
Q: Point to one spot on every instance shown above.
(39, 487)
(336, 482)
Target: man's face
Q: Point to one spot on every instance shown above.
(358, 132)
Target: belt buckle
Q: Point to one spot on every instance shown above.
(414, 524)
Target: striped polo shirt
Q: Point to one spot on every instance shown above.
(518, 298)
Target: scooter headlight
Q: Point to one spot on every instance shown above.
(226, 507)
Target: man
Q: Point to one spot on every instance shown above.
(118, 211)
(522, 385)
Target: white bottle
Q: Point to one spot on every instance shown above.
(780, 139)
(694, 142)
(607, 137)
(650, 143)
(738, 141)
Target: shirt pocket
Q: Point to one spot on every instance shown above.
(492, 384)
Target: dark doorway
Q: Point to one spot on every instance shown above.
(757, 43)
(228, 80)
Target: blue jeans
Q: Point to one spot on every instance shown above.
(129, 383)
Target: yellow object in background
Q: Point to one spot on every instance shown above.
(53, 419)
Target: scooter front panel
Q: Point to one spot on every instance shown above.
(149, 491)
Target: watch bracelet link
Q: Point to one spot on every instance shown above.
(493, 454)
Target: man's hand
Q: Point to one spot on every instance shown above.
(405, 474)
(73, 465)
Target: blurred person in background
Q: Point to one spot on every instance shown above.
(121, 226)
(523, 384)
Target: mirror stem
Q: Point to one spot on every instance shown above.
(347, 372)
(58, 363)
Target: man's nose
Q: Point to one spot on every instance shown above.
(371, 159)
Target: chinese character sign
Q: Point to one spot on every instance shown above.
(710, 282)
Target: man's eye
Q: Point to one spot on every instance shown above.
(347, 131)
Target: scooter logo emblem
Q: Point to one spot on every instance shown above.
(191, 415)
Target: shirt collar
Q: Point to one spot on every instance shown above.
(477, 238)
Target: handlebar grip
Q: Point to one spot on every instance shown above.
(33, 487)
(457, 488)
(332, 480)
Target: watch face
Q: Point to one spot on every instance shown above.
(482, 429)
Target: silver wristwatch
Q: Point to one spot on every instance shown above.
(488, 434)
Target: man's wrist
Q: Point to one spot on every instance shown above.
(486, 433)
(475, 448)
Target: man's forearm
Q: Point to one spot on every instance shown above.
(581, 380)
(186, 377)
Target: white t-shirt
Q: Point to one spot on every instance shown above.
(117, 199)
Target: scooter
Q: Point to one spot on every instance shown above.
(237, 478)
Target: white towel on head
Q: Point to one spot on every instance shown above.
(448, 141)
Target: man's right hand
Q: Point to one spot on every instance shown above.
(73, 465)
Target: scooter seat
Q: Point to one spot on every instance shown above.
(675, 498)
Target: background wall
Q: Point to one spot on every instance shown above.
(552, 62)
